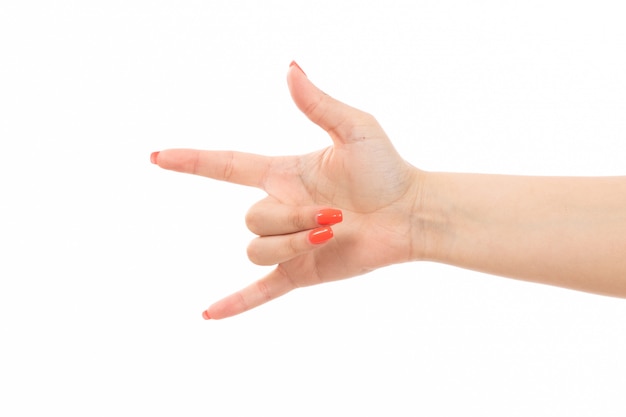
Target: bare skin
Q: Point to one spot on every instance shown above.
(568, 231)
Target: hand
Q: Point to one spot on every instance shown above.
(361, 174)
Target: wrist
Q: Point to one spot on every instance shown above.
(430, 219)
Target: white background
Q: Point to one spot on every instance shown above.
(107, 262)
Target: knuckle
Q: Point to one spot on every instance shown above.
(295, 245)
(296, 220)
(264, 291)
(361, 128)
(253, 221)
(254, 254)
(229, 166)
(314, 107)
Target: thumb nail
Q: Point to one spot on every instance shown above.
(295, 64)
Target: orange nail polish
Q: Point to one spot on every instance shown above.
(205, 315)
(294, 63)
(320, 235)
(153, 157)
(327, 217)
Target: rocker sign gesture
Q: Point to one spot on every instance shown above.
(357, 205)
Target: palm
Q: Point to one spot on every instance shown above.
(371, 192)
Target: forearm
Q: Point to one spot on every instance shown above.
(564, 231)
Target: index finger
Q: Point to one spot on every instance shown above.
(235, 167)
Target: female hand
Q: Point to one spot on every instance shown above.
(361, 175)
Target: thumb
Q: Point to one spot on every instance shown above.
(335, 117)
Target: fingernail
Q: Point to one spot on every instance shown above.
(205, 315)
(327, 217)
(294, 63)
(153, 157)
(320, 235)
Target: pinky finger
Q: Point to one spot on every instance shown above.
(272, 250)
(266, 289)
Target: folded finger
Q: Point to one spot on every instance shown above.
(272, 250)
(268, 218)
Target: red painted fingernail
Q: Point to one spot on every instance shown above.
(320, 235)
(205, 315)
(294, 63)
(327, 217)
(153, 157)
